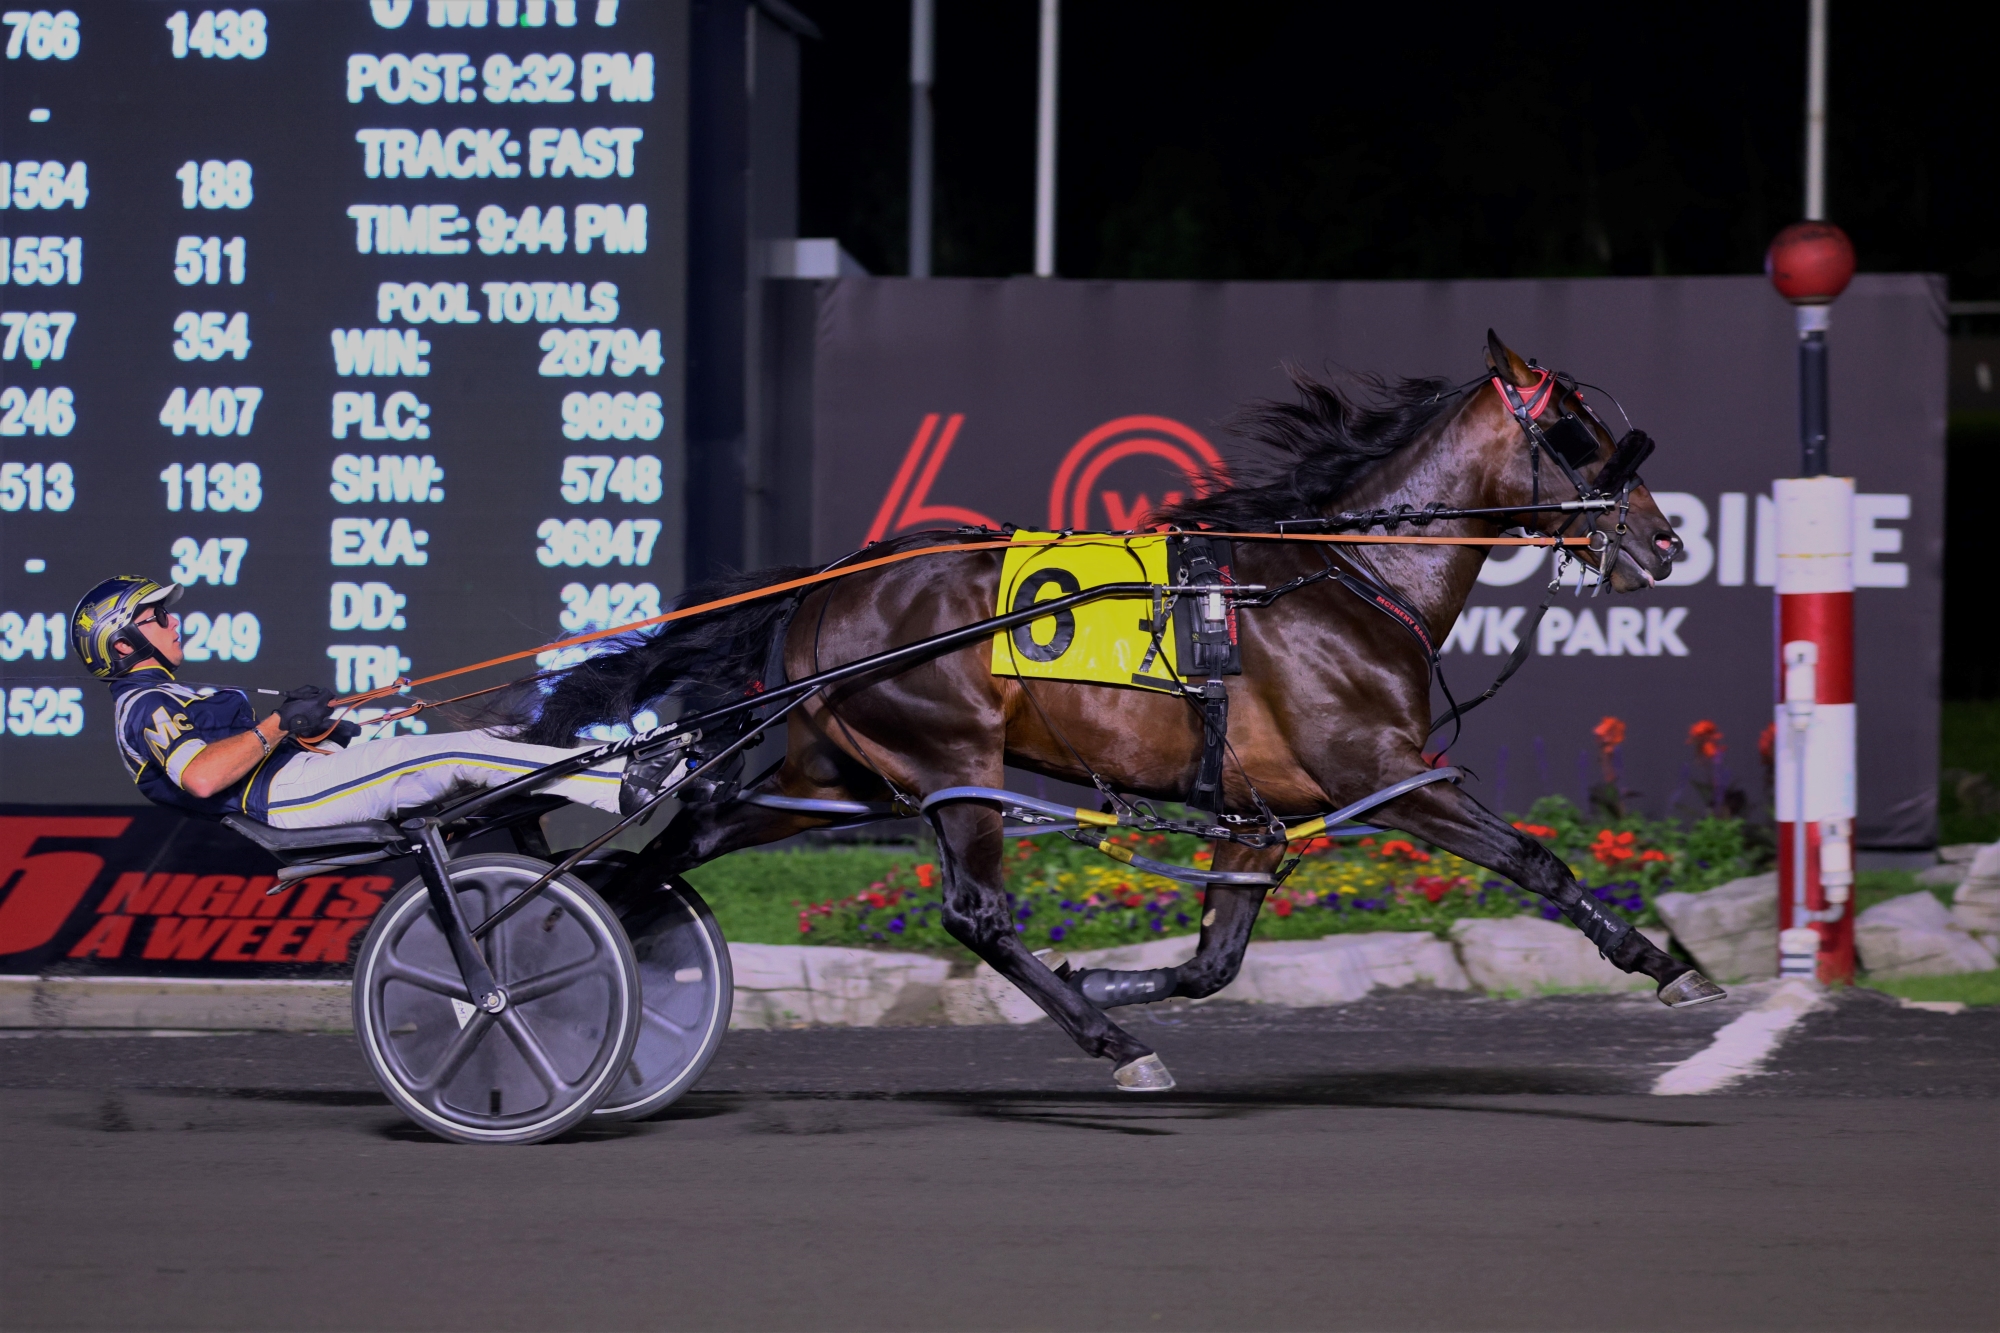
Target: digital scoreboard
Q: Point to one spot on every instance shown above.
(358, 318)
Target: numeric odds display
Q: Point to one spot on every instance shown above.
(360, 319)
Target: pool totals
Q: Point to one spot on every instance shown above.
(358, 318)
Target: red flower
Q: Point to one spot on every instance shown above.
(1767, 742)
(927, 874)
(1613, 848)
(1396, 849)
(1610, 733)
(1435, 887)
(1536, 830)
(1654, 854)
(1282, 906)
(1706, 738)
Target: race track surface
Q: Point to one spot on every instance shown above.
(1411, 1161)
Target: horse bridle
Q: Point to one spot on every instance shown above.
(1571, 445)
(1569, 442)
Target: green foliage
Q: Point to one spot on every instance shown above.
(755, 894)
(1710, 851)
(1879, 886)
(1969, 759)
(1965, 987)
(1065, 895)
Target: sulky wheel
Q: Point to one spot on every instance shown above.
(688, 988)
(544, 1062)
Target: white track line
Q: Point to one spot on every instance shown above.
(1740, 1048)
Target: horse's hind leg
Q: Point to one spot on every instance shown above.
(977, 915)
(1442, 814)
(1228, 915)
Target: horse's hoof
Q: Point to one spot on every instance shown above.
(1148, 1073)
(1690, 989)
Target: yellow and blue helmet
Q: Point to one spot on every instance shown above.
(103, 620)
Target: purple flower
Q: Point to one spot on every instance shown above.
(896, 925)
(1055, 934)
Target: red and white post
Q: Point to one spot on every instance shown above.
(1815, 727)
(1810, 264)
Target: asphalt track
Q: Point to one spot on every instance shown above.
(1411, 1161)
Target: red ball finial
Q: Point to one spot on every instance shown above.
(1810, 263)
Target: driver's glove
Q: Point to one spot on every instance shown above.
(306, 710)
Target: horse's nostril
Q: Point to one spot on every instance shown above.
(1664, 543)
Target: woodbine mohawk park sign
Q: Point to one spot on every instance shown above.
(1057, 405)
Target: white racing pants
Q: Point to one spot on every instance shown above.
(381, 779)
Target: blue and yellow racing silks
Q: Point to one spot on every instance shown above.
(162, 725)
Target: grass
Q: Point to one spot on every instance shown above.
(1878, 886)
(1969, 757)
(888, 896)
(1965, 987)
(755, 895)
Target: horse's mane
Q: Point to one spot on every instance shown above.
(1331, 439)
(1327, 441)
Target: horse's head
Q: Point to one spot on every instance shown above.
(1561, 450)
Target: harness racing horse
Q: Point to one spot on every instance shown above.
(1333, 703)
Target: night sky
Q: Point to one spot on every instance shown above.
(1400, 141)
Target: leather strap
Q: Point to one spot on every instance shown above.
(1207, 793)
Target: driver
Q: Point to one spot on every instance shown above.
(202, 749)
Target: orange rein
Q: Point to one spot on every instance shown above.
(825, 576)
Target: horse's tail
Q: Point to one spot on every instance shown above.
(705, 660)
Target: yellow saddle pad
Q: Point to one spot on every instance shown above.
(1101, 643)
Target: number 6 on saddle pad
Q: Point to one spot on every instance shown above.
(1118, 640)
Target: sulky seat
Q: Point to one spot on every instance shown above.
(307, 850)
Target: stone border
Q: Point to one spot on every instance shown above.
(792, 985)
(172, 1004)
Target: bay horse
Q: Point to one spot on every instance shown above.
(1333, 703)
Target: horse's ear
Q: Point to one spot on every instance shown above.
(1502, 360)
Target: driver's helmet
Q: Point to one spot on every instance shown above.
(103, 619)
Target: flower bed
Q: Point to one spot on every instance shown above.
(1064, 894)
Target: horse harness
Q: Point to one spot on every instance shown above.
(1569, 444)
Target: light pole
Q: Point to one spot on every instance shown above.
(923, 62)
(1810, 263)
(1045, 144)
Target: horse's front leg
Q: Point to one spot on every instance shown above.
(1449, 818)
(1228, 915)
(978, 916)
